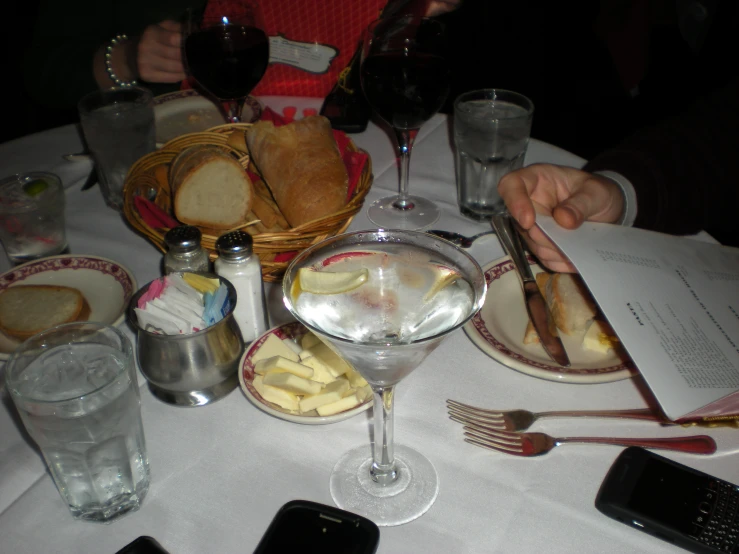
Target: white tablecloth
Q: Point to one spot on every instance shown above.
(221, 472)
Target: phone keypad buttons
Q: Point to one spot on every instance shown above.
(716, 522)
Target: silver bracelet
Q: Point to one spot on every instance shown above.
(109, 63)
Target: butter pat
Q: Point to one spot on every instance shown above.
(345, 403)
(330, 393)
(273, 346)
(282, 398)
(335, 364)
(600, 337)
(321, 372)
(308, 340)
(279, 364)
(291, 383)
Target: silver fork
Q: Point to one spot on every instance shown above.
(535, 444)
(520, 420)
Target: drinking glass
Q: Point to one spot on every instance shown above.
(227, 51)
(418, 289)
(405, 75)
(76, 391)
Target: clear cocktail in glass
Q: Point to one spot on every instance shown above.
(384, 300)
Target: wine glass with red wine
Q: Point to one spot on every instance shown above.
(405, 75)
(227, 51)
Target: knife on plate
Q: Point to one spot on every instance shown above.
(536, 306)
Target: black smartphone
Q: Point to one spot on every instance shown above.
(308, 527)
(143, 545)
(671, 501)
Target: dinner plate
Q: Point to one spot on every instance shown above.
(187, 111)
(106, 285)
(292, 331)
(498, 330)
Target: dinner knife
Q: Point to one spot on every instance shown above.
(536, 306)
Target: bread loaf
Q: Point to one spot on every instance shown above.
(301, 165)
(29, 309)
(209, 188)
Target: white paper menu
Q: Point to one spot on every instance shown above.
(673, 302)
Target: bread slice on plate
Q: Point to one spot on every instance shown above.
(210, 188)
(570, 303)
(29, 309)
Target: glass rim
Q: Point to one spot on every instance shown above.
(94, 100)
(492, 94)
(287, 299)
(52, 179)
(11, 386)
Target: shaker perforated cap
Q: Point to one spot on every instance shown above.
(184, 238)
(235, 245)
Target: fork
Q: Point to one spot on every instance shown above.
(536, 444)
(520, 420)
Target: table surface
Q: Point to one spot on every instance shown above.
(220, 472)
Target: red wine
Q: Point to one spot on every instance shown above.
(405, 90)
(227, 60)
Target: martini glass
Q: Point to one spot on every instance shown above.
(397, 295)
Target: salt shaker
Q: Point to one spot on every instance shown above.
(237, 263)
(184, 252)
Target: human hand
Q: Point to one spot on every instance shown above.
(159, 53)
(438, 7)
(569, 195)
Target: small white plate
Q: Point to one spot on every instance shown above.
(498, 329)
(292, 331)
(106, 285)
(186, 111)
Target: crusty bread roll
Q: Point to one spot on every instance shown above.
(209, 188)
(301, 164)
(29, 309)
(570, 303)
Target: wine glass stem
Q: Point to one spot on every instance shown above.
(233, 111)
(405, 140)
(383, 470)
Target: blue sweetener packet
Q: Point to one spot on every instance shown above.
(216, 305)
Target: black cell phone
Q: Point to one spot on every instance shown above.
(308, 527)
(671, 501)
(143, 545)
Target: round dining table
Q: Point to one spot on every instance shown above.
(220, 472)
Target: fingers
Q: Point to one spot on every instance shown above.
(159, 55)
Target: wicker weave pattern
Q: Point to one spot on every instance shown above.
(142, 181)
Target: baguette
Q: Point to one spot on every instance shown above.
(301, 165)
(29, 309)
(209, 188)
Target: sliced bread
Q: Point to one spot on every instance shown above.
(29, 309)
(210, 188)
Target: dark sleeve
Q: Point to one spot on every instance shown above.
(686, 169)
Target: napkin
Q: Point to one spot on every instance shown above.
(153, 215)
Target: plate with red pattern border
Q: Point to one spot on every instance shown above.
(499, 327)
(289, 331)
(106, 285)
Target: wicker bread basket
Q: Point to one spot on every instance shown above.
(142, 180)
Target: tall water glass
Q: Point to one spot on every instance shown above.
(491, 135)
(76, 391)
(118, 124)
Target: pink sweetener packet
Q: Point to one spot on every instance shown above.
(156, 287)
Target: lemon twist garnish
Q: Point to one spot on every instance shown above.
(327, 282)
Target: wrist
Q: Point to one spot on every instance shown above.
(117, 58)
(628, 196)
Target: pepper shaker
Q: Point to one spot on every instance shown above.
(237, 263)
(184, 251)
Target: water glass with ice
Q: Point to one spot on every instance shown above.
(32, 216)
(118, 124)
(76, 391)
(491, 135)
